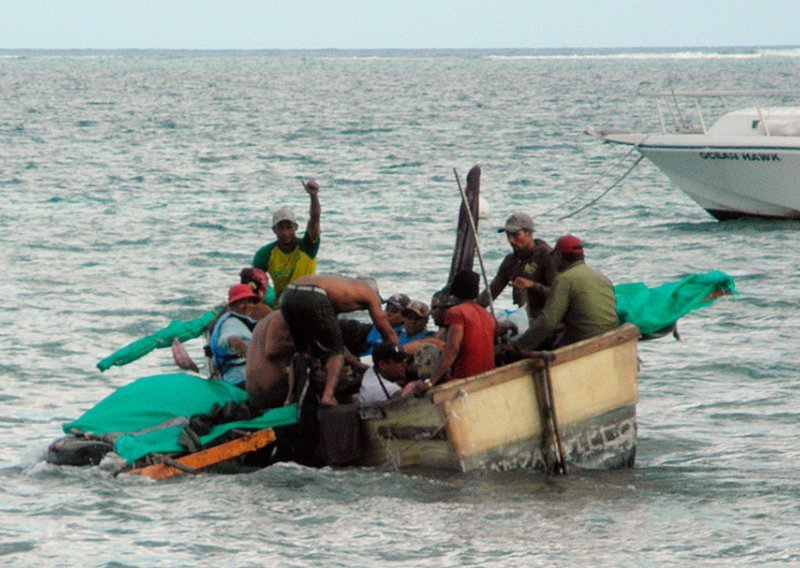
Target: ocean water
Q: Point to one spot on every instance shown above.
(135, 185)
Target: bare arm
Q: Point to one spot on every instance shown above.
(314, 213)
(544, 325)
(381, 321)
(496, 286)
(452, 346)
(237, 345)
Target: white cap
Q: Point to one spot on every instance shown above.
(283, 214)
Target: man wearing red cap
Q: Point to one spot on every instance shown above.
(581, 299)
(231, 334)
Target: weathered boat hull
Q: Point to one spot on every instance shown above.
(499, 419)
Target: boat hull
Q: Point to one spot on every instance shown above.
(497, 420)
(730, 177)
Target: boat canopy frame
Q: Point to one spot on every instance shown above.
(670, 109)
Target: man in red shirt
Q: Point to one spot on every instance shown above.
(471, 332)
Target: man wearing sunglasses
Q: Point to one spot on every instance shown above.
(290, 257)
(529, 268)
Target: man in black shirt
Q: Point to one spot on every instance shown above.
(529, 268)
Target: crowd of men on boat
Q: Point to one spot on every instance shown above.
(262, 328)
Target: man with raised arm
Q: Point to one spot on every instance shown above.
(289, 257)
(310, 306)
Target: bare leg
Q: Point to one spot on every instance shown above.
(333, 368)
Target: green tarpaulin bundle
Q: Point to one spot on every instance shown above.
(148, 415)
(180, 330)
(177, 329)
(655, 309)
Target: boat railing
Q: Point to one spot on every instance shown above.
(670, 110)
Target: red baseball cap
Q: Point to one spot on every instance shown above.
(240, 292)
(569, 244)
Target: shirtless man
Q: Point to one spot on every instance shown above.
(310, 305)
(268, 358)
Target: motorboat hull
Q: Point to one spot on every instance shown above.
(747, 164)
(732, 182)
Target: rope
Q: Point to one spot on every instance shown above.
(599, 197)
(594, 183)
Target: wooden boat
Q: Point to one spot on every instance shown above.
(575, 405)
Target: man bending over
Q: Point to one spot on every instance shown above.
(310, 306)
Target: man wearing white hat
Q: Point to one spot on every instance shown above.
(290, 257)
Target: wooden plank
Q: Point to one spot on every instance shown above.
(500, 375)
(596, 384)
(495, 377)
(211, 456)
(623, 334)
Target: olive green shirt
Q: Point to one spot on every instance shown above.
(582, 299)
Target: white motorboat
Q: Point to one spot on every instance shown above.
(745, 164)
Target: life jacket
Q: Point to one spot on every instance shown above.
(223, 360)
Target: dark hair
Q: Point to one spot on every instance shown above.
(571, 257)
(388, 352)
(465, 285)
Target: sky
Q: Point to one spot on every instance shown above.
(397, 24)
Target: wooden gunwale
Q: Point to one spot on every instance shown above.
(450, 390)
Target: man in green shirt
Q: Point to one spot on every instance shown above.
(581, 299)
(290, 257)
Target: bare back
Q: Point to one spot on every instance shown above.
(268, 357)
(345, 294)
(350, 295)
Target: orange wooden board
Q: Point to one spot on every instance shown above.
(211, 456)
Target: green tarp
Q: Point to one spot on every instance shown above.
(177, 329)
(150, 413)
(655, 309)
